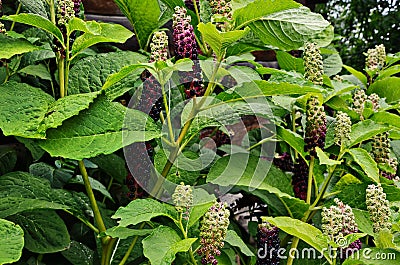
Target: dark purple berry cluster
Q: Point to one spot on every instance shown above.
(150, 100)
(300, 179)
(77, 7)
(268, 244)
(315, 126)
(186, 47)
(189, 4)
(284, 162)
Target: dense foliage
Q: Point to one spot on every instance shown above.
(189, 151)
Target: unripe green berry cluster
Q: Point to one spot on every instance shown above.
(378, 207)
(65, 12)
(359, 99)
(222, 8)
(182, 197)
(2, 29)
(342, 128)
(381, 153)
(315, 126)
(159, 47)
(376, 57)
(213, 228)
(313, 64)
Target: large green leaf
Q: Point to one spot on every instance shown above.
(360, 76)
(28, 111)
(365, 130)
(162, 245)
(94, 183)
(44, 231)
(11, 46)
(124, 232)
(90, 74)
(293, 139)
(12, 205)
(386, 118)
(11, 242)
(35, 6)
(363, 221)
(387, 88)
(107, 33)
(284, 26)
(8, 159)
(39, 70)
(22, 109)
(39, 22)
(143, 16)
(234, 240)
(220, 41)
(288, 62)
(366, 162)
(80, 254)
(306, 232)
(140, 210)
(113, 165)
(102, 129)
(250, 173)
(261, 88)
(374, 256)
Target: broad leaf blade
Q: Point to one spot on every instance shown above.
(11, 47)
(234, 240)
(387, 88)
(11, 241)
(366, 162)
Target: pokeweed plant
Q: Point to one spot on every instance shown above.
(316, 150)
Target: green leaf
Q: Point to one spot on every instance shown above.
(22, 109)
(386, 88)
(11, 47)
(290, 29)
(234, 240)
(162, 245)
(91, 73)
(39, 70)
(366, 162)
(8, 159)
(99, 130)
(80, 254)
(13, 205)
(365, 130)
(33, 147)
(384, 239)
(35, 6)
(107, 33)
(113, 165)
(77, 24)
(96, 185)
(123, 232)
(143, 16)
(386, 118)
(292, 139)
(252, 173)
(360, 76)
(288, 62)
(324, 159)
(11, 241)
(332, 62)
(197, 211)
(388, 72)
(363, 221)
(245, 11)
(38, 22)
(140, 210)
(220, 41)
(44, 231)
(306, 232)
(261, 88)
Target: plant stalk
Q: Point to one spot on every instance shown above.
(16, 13)
(131, 246)
(294, 245)
(310, 180)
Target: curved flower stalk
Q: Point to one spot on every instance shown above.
(376, 58)
(268, 244)
(342, 128)
(313, 64)
(213, 228)
(315, 126)
(338, 221)
(186, 47)
(381, 153)
(378, 207)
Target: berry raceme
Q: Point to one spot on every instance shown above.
(65, 12)
(381, 153)
(342, 128)
(77, 7)
(213, 229)
(222, 8)
(284, 162)
(313, 64)
(378, 207)
(376, 57)
(300, 178)
(338, 221)
(2, 29)
(315, 126)
(268, 244)
(186, 47)
(183, 198)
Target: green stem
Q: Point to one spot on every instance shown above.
(108, 251)
(108, 188)
(16, 13)
(296, 154)
(61, 75)
(131, 246)
(261, 142)
(174, 154)
(97, 215)
(310, 179)
(7, 71)
(294, 245)
(52, 11)
(167, 112)
(185, 236)
(86, 222)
